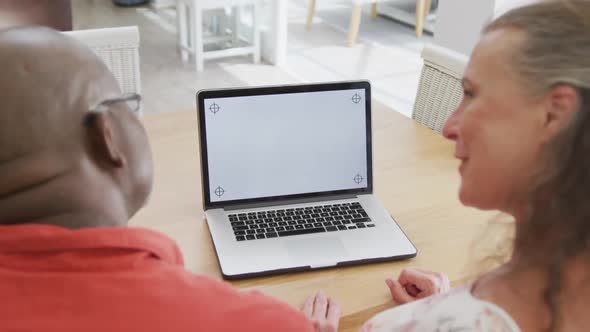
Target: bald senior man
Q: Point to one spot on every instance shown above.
(75, 165)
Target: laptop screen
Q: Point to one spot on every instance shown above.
(286, 144)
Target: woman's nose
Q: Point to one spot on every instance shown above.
(450, 130)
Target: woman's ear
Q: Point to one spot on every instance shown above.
(561, 105)
(102, 139)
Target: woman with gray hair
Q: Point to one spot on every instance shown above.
(522, 134)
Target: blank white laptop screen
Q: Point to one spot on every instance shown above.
(286, 144)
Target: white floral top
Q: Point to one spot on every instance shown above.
(455, 311)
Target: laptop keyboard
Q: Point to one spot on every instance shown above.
(288, 222)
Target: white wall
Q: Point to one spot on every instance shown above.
(459, 22)
(503, 6)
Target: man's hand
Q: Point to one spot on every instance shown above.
(323, 311)
(414, 284)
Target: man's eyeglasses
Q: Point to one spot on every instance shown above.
(133, 101)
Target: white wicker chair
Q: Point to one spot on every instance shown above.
(440, 90)
(119, 49)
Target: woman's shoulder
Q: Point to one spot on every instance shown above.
(456, 310)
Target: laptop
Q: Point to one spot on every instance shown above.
(287, 179)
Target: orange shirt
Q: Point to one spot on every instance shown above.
(119, 279)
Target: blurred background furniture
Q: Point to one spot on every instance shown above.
(55, 14)
(192, 39)
(158, 4)
(119, 50)
(440, 90)
(422, 10)
(127, 3)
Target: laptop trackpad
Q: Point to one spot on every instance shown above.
(320, 252)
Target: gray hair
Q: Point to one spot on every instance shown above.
(557, 47)
(556, 51)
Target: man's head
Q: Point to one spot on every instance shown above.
(63, 160)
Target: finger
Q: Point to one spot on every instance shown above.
(333, 315)
(412, 275)
(412, 290)
(308, 306)
(389, 282)
(445, 285)
(425, 282)
(320, 306)
(398, 292)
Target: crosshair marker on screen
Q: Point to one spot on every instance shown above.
(214, 108)
(219, 191)
(358, 178)
(356, 98)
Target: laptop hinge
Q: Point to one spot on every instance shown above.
(290, 202)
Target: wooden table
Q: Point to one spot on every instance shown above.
(415, 177)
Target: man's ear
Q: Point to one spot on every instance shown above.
(102, 139)
(561, 105)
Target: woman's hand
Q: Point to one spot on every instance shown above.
(323, 311)
(414, 284)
